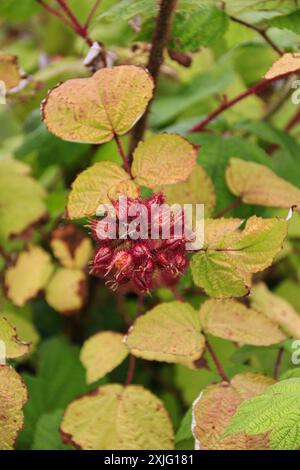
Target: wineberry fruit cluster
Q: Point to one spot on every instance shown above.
(139, 262)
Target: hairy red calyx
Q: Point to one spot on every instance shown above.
(140, 262)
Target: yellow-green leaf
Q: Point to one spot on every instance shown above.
(218, 275)
(257, 184)
(14, 347)
(101, 353)
(25, 328)
(197, 189)
(216, 229)
(92, 110)
(232, 320)
(170, 332)
(29, 275)
(119, 418)
(163, 159)
(9, 70)
(277, 309)
(223, 268)
(71, 247)
(215, 406)
(98, 185)
(22, 203)
(13, 395)
(287, 63)
(66, 291)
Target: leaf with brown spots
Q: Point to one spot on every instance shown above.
(119, 418)
(91, 110)
(214, 408)
(13, 395)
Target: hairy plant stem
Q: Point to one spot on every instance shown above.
(226, 104)
(260, 31)
(159, 42)
(216, 361)
(69, 19)
(232, 205)
(92, 13)
(132, 359)
(131, 370)
(278, 363)
(126, 163)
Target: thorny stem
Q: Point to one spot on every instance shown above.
(159, 42)
(131, 370)
(91, 13)
(177, 294)
(216, 361)
(132, 359)
(277, 363)
(232, 205)
(293, 121)
(81, 30)
(55, 13)
(226, 104)
(123, 155)
(71, 21)
(260, 31)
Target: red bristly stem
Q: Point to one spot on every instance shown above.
(177, 294)
(226, 104)
(91, 13)
(156, 57)
(132, 359)
(216, 361)
(232, 205)
(277, 363)
(260, 31)
(122, 154)
(293, 121)
(56, 13)
(81, 30)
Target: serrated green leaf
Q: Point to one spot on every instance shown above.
(198, 27)
(275, 411)
(92, 110)
(232, 320)
(99, 184)
(101, 353)
(116, 417)
(163, 159)
(224, 269)
(170, 332)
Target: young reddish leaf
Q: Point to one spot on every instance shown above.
(163, 159)
(197, 189)
(285, 64)
(101, 353)
(13, 395)
(28, 276)
(232, 320)
(277, 309)
(14, 347)
(120, 418)
(170, 332)
(213, 409)
(92, 110)
(9, 70)
(257, 184)
(66, 291)
(224, 267)
(97, 185)
(71, 247)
